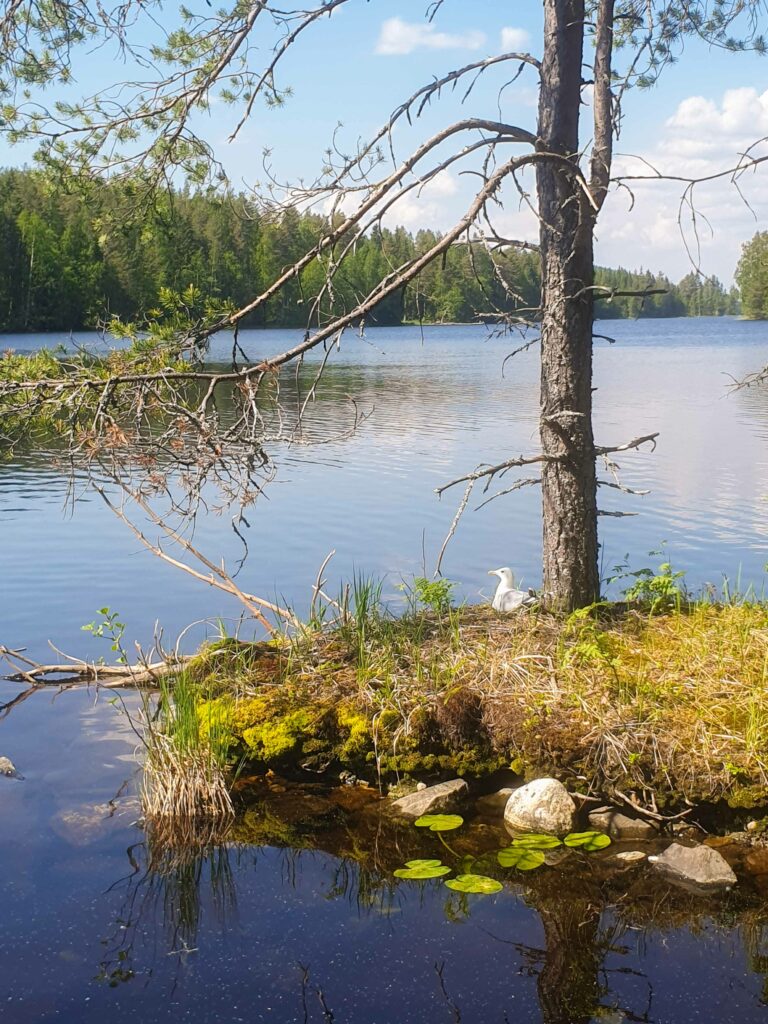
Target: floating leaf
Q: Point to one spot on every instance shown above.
(588, 841)
(474, 883)
(439, 822)
(422, 870)
(424, 863)
(536, 841)
(520, 858)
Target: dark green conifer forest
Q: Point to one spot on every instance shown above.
(70, 261)
(752, 277)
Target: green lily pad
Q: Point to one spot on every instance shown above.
(536, 841)
(424, 863)
(521, 858)
(474, 883)
(422, 870)
(588, 841)
(439, 822)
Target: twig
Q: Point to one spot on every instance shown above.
(653, 815)
(75, 671)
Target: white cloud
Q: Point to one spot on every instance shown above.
(426, 207)
(702, 137)
(742, 111)
(402, 37)
(515, 39)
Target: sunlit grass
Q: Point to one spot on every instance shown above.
(617, 698)
(185, 784)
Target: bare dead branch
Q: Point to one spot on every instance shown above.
(528, 482)
(634, 443)
(76, 671)
(217, 575)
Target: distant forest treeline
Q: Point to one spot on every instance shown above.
(66, 262)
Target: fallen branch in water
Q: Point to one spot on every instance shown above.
(75, 671)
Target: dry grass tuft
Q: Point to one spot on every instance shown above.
(185, 786)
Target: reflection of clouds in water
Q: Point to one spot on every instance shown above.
(438, 410)
(708, 475)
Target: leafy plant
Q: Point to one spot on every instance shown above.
(658, 591)
(111, 629)
(536, 841)
(521, 858)
(481, 884)
(587, 841)
(527, 850)
(434, 594)
(422, 869)
(590, 644)
(439, 822)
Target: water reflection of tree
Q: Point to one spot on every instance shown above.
(568, 985)
(584, 909)
(164, 895)
(754, 932)
(572, 979)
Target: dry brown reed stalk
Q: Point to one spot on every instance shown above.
(185, 787)
(175, 843)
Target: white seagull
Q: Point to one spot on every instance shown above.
(507, 598)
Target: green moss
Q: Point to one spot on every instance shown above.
(215, 717)
(471, 761)
(747, 797)
(276, 740)
(355, 734)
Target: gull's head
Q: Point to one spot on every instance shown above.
(505, 575)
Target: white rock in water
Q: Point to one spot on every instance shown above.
(541, 806)
(698, 866)
(432, 800)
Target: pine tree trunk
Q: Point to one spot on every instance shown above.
(566, 224)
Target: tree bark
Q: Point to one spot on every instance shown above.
(569, 489)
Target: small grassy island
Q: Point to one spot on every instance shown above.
(661, 706)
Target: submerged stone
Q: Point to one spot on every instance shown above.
(541, 806)
(624, 859)
(621, 826)
(494, 803)
(432, 800)
(697, 866)
(756, 861)
(7, 767)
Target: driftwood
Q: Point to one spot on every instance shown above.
(74, 671)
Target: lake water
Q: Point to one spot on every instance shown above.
(297, 917)
(440, 401)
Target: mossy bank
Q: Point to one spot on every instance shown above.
(670, 706)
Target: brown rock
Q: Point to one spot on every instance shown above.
(756, 861)
(433, 800)
(620, 826)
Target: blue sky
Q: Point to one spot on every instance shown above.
(355, 67)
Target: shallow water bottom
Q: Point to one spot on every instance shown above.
(298, 918)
